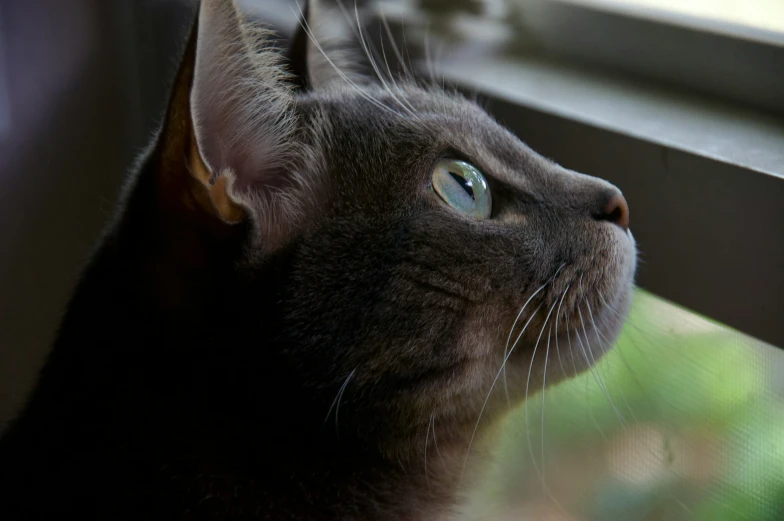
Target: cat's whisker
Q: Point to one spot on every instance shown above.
(392, 76)
(405, 51)
(655, 453)
(427, 443)
(598, 331)
(593, 362)
(428, 59)
(336, 402)
(373, 64)
(305, 27)
(506, 348)
(544, 387)
(365, 47)
(608, 344)
(490, 392)
(623, 394)
(557, 317)
(409, 76)
(617, 349)
(636, 376)
(435, 439)
(664, 352)
(619, 315)
(509, 338)
(574, 367)
(601, 336)
(389, 70)
(357, 31)
(439, 59)
(539, 473)
(628, 323)
(594, 370)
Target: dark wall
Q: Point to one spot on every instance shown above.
(85, 82)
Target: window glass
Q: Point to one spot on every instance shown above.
(758, 14)
(684, 420)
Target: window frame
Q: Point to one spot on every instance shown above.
(716, 58)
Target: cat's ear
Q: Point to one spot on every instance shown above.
(244, 150)
(326, 48)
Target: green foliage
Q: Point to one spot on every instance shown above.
(695, 430)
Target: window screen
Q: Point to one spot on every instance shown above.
(684, 420)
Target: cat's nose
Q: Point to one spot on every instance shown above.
(615, 209)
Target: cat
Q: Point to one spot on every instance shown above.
(320, 292)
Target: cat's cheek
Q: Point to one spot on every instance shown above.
(612, 314)
(629, 257)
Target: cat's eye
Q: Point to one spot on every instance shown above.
(463, 187)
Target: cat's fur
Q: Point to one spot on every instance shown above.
(285, 322)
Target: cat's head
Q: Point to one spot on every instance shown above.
(432, 263)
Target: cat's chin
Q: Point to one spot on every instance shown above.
(593, 337)
(573, 345)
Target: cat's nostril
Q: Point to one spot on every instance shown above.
(616, 210)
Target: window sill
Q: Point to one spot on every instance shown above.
(713, 130)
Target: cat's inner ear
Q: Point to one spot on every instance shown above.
(241, 113)
(327, 48)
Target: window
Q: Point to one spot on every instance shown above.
(765, 15)
(684, 420)
(680, 104)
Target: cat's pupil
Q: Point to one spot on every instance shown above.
(465, 183)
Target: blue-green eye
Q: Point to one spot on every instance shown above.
(463, 187)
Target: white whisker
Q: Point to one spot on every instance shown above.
(636, 376)
(655, 453)
(600, 336)
(435, 439)
(511, 331)
(373, 64)
(528, 385)
(574, 366)
(427, 443)
(487, 398)
(592, 363)
(540, 473)
(428, 59)
(336, 402)
(340, 73)
(395, 49)
(506, 348)
(557, 316)
(544, 386)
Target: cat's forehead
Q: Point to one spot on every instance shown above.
(404, 105)
(425, 121)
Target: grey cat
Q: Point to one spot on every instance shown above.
(320, 292)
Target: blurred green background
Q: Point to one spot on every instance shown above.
(683, 420)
